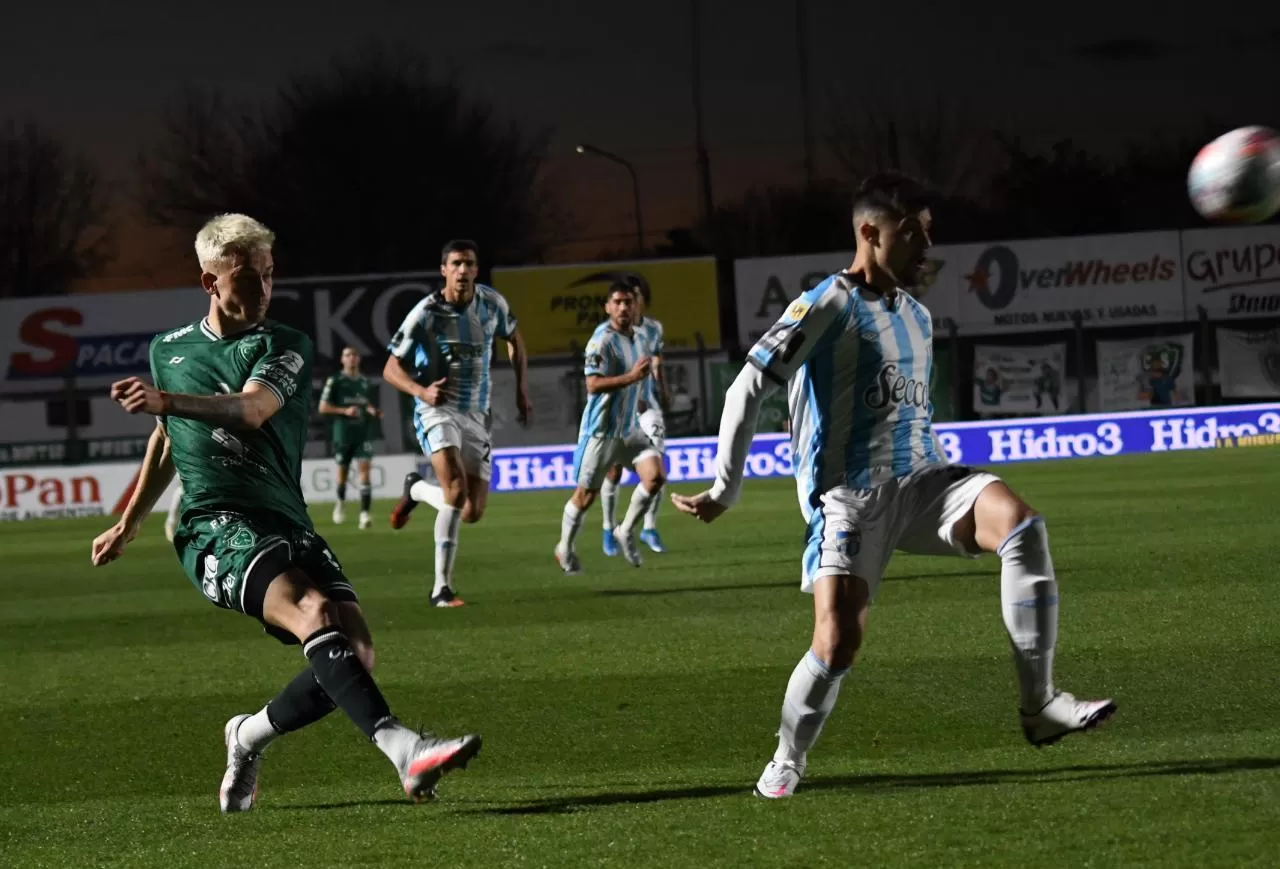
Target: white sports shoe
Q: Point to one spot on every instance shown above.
(630, 549)
(1062, 715)
(432, 759)
(339, 513)
(779, 779)
(366, 521)
(568, 562)
(240, 783)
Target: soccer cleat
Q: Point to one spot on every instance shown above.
(650, 538)
(240, 783)
(446, 597)
(400, 513)
(1062, 715)
(432, 759)
(339, 513)
(366, 521)
(610, 545)
(630, 550)
(568, 562)
(779, 779)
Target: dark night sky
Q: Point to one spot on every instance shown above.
(1099, 72)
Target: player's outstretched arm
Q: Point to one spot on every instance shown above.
(600, 383)
(154, 477)
(742, 405)
(248, 409)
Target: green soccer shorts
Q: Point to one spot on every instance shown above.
(345, 454)
(232, 558)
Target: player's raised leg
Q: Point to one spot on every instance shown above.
(1002, 523)
(609, 509)
(652, 479)
(654, 427)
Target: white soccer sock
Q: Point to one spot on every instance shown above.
(256, 732)
(173, 506)
(811, 695)
(425, 493)
(570, 525)
(640, 500)
(1029, 598)
(651, 515)
(609, 503)
(447, 522)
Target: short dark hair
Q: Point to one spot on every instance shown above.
(458, 245)
(890, 194)
(622, 286)
(640, 287)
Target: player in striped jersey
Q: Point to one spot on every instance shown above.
(442, 355)
(615, 366)
(653, 399)
(855, 352)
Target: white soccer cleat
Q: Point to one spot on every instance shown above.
(239, 788)
(779, 779)
(1062, 715)
(432, 759)
(568, 561)
(630, 549)
(339, 513)
(366, 521)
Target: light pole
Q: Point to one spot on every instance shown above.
(635, 186)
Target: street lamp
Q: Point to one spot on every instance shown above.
(635, 186)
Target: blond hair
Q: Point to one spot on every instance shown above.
(228, 236)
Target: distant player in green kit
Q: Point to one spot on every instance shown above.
(232, 400)
(348, 397)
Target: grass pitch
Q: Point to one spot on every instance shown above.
(627, 713)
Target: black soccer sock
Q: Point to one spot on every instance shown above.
(302, 702)
(345, 679)
(342, 491)
(366, 497)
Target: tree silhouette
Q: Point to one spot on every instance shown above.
(52, 214)
(369, 165)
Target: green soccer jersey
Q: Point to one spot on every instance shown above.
(239, 470)
(345, 391)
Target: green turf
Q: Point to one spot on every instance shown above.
(626, 713)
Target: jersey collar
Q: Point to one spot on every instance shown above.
(206, 328)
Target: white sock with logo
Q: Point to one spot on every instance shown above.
(1029, 600)
(811, 695)
(640, 500)
(609, 503)
(570, 525)
(447, 522)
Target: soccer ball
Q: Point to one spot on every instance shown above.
(1236, 177)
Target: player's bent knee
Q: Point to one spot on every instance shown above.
(472, 512)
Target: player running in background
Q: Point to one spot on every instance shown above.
(855, 353)
(615, 366)
(232, 398)
(349, 397)
(653, 400)
(442, 356)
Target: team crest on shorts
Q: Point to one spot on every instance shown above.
(242, 538)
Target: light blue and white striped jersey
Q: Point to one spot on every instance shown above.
(609, 354)
(653, 341)
(437, 340)
(858, 368)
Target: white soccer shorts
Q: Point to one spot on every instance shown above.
(655, 428)
(595, 455)
(468, 431)
(854, 532)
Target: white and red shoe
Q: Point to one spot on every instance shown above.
(432, 759)
(239, 788)
(779, 779)
(1062, 715)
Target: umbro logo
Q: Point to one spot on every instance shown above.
(177, 360)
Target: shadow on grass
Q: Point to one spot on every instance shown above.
(893, 782)
(790, 582)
